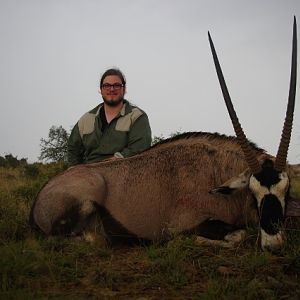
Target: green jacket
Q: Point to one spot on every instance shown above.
(126, 135)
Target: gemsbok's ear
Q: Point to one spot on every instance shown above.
(236, 183)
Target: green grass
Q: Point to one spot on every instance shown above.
(32, 267)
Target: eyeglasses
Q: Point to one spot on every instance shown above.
(115, 86)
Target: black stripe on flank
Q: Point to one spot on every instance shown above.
(213, 229)
(271, 213)
(116, 233)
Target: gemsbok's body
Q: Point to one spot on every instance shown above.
(180, 185)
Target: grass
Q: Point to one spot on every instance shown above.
(32, 267)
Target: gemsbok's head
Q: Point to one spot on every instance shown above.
(271, 181)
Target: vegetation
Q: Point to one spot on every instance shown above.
(33, 267)
(55, 147)
(10, 161)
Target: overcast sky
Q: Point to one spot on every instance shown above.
(53, 53)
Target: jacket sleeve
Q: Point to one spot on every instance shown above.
(75, 147)
(139, 137)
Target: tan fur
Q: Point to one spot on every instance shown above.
(156, 193)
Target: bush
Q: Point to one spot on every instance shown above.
(10, 161)
(3, 162)
(31, 171)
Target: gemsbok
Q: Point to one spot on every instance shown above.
(203, 183)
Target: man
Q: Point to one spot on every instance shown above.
(113, 129)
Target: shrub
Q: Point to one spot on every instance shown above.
(31, 171)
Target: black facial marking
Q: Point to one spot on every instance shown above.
(271, 214)
(268, 175)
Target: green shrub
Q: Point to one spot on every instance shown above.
(32, 171)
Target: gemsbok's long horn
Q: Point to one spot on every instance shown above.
(281, 156)
(248, 153)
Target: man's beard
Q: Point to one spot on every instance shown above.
(111, 102)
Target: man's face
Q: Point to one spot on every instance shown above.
(112, 90)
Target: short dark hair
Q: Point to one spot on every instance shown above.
(115, 72)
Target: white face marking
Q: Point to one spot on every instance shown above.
(257, 189)
(279, 189)
(272, 242)
(240, 181)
